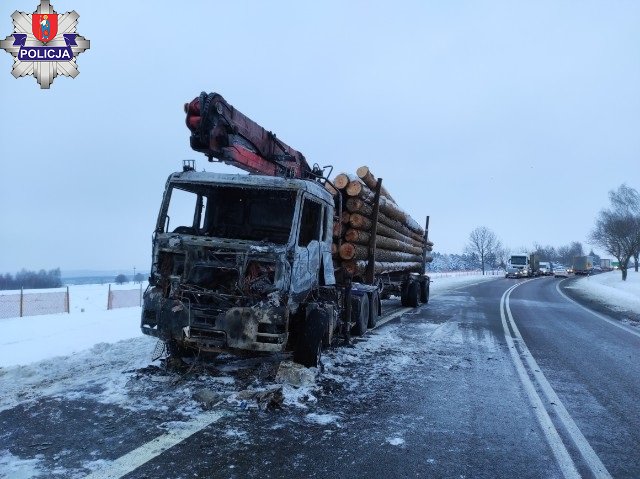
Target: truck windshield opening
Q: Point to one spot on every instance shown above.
(231, 212)
(520, 260)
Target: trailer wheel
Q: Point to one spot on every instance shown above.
(360, 315)
(424, 292)
(308, 350)
(413, 291)
(374, 310)
(404, 291)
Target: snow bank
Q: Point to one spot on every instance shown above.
(608, 288)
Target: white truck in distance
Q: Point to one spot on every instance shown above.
(522, 265)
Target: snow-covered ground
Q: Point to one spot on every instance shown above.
(608, 288)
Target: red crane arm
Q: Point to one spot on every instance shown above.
(220, 131)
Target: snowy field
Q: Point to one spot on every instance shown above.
(608, 288)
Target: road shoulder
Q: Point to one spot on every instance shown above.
(630, 318)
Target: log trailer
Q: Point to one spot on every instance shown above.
(243, 263)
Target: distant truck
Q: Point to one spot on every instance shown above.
(545, 268)
(582, 265)
(523, 265)
(605, 264)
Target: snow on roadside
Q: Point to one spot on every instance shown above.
(608, 288)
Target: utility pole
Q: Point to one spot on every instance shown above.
(134, 275)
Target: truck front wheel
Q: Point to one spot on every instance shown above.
(308, 350)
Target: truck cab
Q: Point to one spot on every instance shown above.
(518, 266)
(236, 259)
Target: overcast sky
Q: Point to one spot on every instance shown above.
(518, 116)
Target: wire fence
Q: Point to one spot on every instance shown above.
(33, 303)
(124, 298)
(22, 304)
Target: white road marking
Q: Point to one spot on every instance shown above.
(618, 324)
(558, 448)
(140, 456)
(586, 451)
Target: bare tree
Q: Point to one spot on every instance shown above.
(565, 254)
(483, 243)
(626, 200)
(617, 229)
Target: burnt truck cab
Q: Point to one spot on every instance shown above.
(236, 260)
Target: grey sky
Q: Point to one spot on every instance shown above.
(519, 116)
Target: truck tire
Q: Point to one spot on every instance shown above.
(413, 292)
(360, 315)
(424, 292)
(404, 290)
(373, 309)
(308, 350)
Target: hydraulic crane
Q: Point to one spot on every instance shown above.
(220, 131)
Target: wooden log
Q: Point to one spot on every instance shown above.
(356, 205)
(388, 226)
(399, 227)
(351, 251)
(387, 208)
(330, 189)
(334, 249)
(338, 230)
(359, 267)
(344, 217)
(360, 222)
(343, 179)
(363, 238)
(355, 187)
(364, 173)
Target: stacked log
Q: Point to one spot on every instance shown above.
(400, 241)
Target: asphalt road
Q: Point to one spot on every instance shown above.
(507, 378)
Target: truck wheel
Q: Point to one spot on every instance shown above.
(373, 310)
(308, 349)
(360, 315)
(404, 291)
(412, 294)
(424, 292)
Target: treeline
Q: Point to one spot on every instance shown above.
(454, 262)
(31, 279)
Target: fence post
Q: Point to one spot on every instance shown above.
(109, 298)
(140, 304)
(68, 302)
(21, 299)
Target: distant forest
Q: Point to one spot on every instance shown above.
(31, 279)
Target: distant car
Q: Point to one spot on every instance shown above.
(560, 271)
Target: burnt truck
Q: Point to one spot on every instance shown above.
(242, 263)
